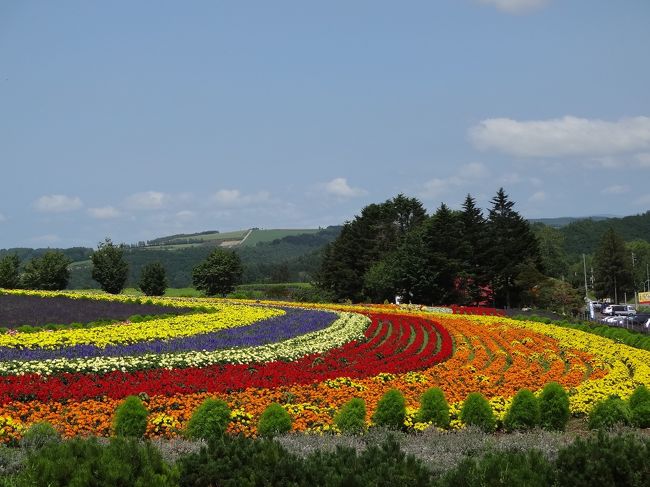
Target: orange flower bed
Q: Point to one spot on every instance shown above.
(491, 358)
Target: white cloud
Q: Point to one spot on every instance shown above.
(516, 6)
(466, 174)
(57, 203)
(185, 215)
(231, 198)
(340, 188)
(147, 200)
(568, 136)
(473, 170)
(537, 197)
(615, 189)
(104, 212)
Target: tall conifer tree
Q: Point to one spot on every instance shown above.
(510, 244)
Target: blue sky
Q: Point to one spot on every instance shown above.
(140, 119)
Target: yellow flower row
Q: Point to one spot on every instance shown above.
(628, 367)
(226, 315)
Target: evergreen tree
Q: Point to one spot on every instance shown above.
(364, 241)
(612, 267)
(48, 272)
(510, 243)
(219, 273)
(427, 264)
(9, 272)
(475, 238)
(153, 279)
(110, 269)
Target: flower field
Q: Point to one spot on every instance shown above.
(311, 359)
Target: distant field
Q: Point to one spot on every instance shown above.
(258, 236)
(255, 237)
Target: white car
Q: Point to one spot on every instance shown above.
(619, 309)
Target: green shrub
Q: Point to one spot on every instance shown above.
(81, 462)
(391, 410)
(130, 418)
(476, 411)
(210, 420)
(39, 435)
(434, 408)
(524, 412)
(352, 416)
(239, 461)
(608, 413)
(377, 465)
(509, 468)
(640, 407)
(604, 461)
(554, 407)
(275, 420)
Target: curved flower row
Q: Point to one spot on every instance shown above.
(346, 328)
(225, 316)
(411, 351)
(404, 345)
(294, 323)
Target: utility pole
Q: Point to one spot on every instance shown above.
(636, 302)
(584, 265)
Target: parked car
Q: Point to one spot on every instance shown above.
(639, 319)
(619, 310)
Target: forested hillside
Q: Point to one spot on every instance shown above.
(294, 258)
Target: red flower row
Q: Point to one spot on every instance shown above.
(393, 344)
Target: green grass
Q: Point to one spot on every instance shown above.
(258, 236)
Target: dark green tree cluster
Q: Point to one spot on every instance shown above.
(462, 257)
(219, 273)
(110, 269)
(612, 267)
(363, 243)
(49, 271)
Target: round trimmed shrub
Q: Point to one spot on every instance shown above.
(610, 412)
(524, 412)
(209, 420)
(130, 418)
(476, 411)
(554, 407)
(434, 408)
(640, 407)
(38, 435)
(275, 420)
(391, 410)
(352, 416)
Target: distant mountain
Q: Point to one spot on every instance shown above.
(563, 221)
(582, 235)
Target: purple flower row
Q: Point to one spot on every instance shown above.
(294, 323)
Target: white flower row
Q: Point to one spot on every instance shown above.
(348, 327)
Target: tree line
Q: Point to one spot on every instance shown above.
(218, 274)
(464, 257)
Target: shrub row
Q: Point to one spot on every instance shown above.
(238, 461)
(549, 411)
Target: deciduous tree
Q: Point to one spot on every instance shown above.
(10, 271)
(110, 269)
(49, 272)
(219, 273)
